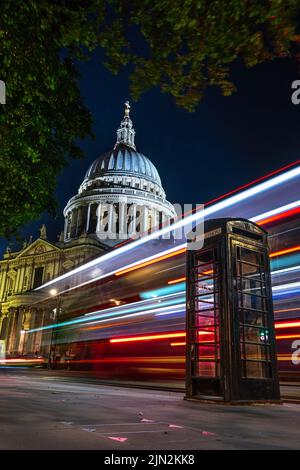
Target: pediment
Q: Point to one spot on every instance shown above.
(37, 248)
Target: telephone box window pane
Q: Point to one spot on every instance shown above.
(247, 270)
(210, 334)
(256, 370)
(208, 352)
(254, 352)
(207, 284)
(206, 291)
(208, 369)
(252, 301)
(206, 298)
(255, 335)
(205, 270)
(205, 265)
(251, 286)
(252, 317)
(250, 256)
(206, 314)
(207, 317)
(205, 258)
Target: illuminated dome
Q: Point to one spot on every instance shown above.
(123, 160)
(121, 176)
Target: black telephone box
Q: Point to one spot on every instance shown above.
(230, 348)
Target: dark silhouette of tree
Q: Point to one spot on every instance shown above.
(180, 46)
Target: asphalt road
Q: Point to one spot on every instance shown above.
(40, 411)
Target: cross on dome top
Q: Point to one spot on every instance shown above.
(127, 108)
(126, 132)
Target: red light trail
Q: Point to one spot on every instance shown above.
(181, 334)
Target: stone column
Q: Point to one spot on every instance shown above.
(19, 324)
(66, 226)
(149, 218)
(111, 222)
(88, 219)
(39, 334)
(122, 220)
(100, 223)
(4, 327)
(73, 223)
(31, 336)
(47, 334)
(145, 220)
(154, 219)
(2, 324)
(11, 330)
(78, 221)
(17, 281)
(132, 225)
(99, 218)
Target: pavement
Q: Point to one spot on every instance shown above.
(45, 412)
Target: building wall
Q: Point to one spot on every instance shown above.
(20, 273)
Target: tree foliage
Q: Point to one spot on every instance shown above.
(180, 46)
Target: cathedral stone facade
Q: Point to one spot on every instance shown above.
(120, 197)
(24, 270)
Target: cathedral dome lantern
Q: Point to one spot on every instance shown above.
(126, 132)
(121, 174)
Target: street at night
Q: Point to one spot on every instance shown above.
(149, 229)
(42, 411)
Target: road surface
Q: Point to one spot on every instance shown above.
(40, 411)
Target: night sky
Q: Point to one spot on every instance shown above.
(226, 142)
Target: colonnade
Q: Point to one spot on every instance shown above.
(13, 330)
(108, 219)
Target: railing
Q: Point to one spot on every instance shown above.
(128, 191)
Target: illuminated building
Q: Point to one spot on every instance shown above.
(22, 271)
(121, 192)
(121, 195)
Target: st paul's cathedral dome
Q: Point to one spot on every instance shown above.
(121, 194)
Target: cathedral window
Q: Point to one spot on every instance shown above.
(38, 277)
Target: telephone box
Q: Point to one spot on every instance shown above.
(230, 348)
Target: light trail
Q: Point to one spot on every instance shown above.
(103, 316)
(288, 310)
(273, 273)
(139, 314)
(147, 337)
(289, 324)
(286, 251)
(260, 188)
(150, 337)
(155, 258)
(278, 213)
(175, 281)
(151, 260)
(281, 212)
(285, 270)
(229, 193)
(268, 175)
(291, 285)
(280, 337)
(129, 311)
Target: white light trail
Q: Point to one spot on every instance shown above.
(260, 188)
(291, 285)
(279, 210)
